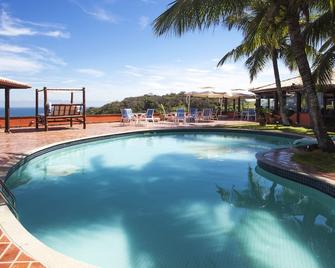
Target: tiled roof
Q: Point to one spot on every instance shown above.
(8, 83)
(294, 83)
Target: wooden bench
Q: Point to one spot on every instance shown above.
(62, 113)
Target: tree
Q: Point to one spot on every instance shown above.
(262, 42)
(296, 15)
(191, 15)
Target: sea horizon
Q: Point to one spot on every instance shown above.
(20, 111)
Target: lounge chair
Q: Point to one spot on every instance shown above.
(149, 116)
(180, 115)
(193, 116)
(207, 115)
(127, 116)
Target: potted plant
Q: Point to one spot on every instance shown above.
(261, 116)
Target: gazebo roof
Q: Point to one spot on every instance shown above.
(8, 83)
(291, 84)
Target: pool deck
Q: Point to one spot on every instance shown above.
(18, 248)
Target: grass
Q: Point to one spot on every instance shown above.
(277, 128)
(318, 160)
(321, 161)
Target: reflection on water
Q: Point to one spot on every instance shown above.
(184, 200)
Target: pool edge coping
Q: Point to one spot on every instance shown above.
(53, 258)
(320, 183)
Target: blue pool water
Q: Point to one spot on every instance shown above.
(174, 200)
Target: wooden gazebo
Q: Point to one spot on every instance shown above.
(7, 85)
(60, 112)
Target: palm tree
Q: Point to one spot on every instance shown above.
(295, 14)
(190, 15)
(260, 46)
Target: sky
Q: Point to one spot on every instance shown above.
(109, 47)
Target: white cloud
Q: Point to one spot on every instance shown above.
(149, 1)
(91, 72)
(18, 64)
(97, 12)
(10, 27)
(144, 21)
(19, 59)
(12, 48)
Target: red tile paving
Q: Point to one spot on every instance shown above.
(13, 256)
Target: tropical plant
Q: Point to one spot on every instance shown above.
(267, 43)
(190, 15)
(295, 14)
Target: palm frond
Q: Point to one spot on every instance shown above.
(234, 54)
(257, 61)
(191, 15)
(324, 63)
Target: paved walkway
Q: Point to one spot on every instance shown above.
(12, 256)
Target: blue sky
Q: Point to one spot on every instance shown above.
(109, 47)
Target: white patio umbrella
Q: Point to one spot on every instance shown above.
(204, 94)
(239, 93)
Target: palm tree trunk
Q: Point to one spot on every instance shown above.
(281, 100)
(298, 46)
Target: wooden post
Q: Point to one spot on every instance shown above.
(225, 105)
(46, 112)
(234, 104)
(298, 96)
(84, 108)
(71, 101)
(269, 103)
(36, 108)
(239, 105)
(7, 110)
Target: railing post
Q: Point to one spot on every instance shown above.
(45, 92)
(7, 110)
(36, 108)
(84, 108)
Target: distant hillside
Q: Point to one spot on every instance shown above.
(140, 104)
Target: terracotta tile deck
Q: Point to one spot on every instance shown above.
(12, 256)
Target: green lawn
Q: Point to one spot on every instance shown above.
(324, 162)
(320, 161)
(277, 128)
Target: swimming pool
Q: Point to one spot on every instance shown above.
(174, 200)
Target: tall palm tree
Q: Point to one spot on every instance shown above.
(265, 44)
(190, 15)
(296, 15)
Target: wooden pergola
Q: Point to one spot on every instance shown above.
(7, 85)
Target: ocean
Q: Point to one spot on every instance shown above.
(20, 111)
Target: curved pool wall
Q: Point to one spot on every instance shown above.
(148, 215)
(53, 147)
